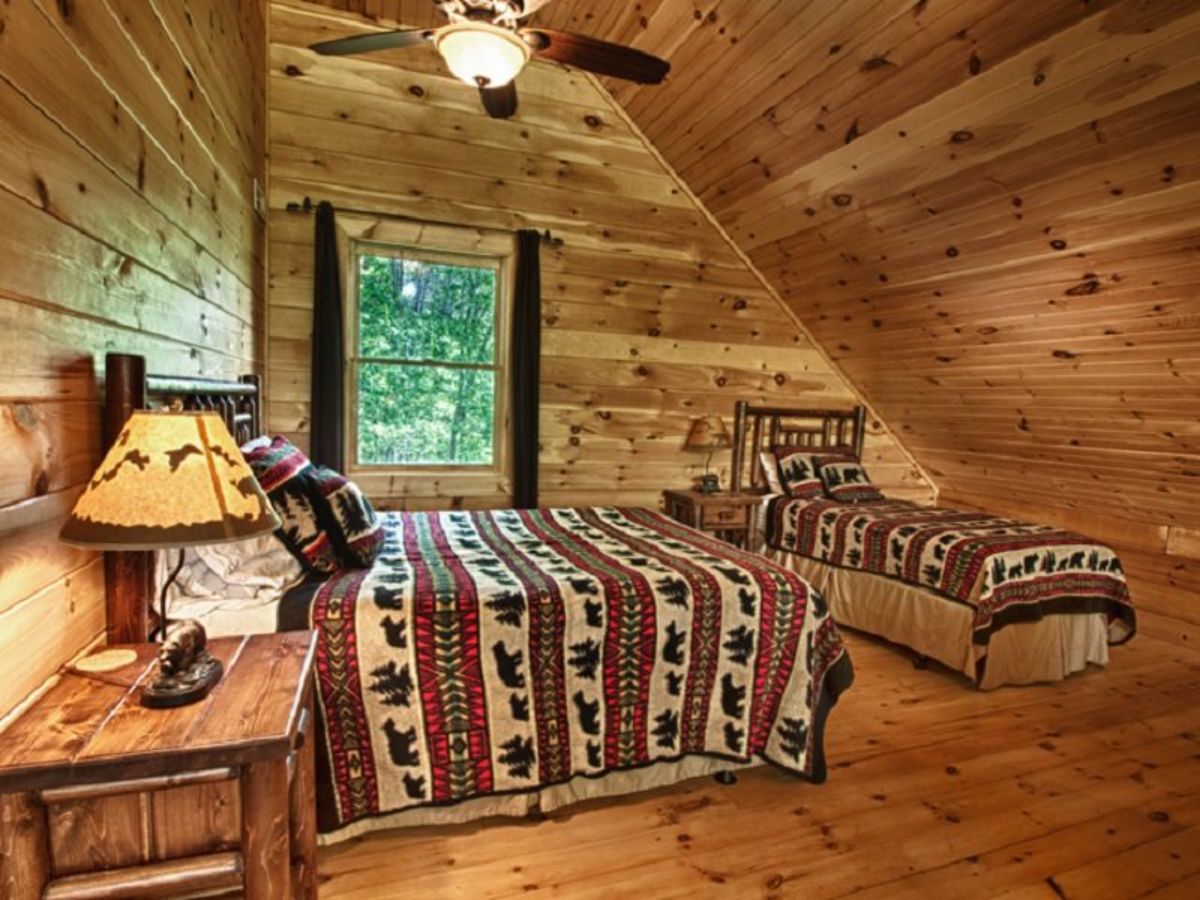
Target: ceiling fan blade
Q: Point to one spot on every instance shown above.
(597, 56)
(370, 43)
(500, 102)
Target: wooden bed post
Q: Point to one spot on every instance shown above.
(128, 576)
(739, 443)
(860, 429)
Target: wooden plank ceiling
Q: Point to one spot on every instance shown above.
(985, 211)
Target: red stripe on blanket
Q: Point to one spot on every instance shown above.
(547, 624)
(446, 621)
(704, 657)
(351, 759)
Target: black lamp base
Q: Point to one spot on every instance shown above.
(186, 686)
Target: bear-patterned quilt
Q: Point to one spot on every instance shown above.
(493, 652)
(1008, 571)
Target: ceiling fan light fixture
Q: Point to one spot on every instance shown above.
(481, 54)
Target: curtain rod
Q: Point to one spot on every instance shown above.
(307, 206)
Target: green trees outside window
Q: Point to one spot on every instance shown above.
(426, 361)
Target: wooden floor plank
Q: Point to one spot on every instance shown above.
(1090, 788)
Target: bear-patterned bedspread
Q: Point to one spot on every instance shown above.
(494, 652)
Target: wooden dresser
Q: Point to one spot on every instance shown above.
(101, 797)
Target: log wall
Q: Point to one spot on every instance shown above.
(650, 316)
(132, 133)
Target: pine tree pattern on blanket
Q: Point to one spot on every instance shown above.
(1009, 571)
(495, 652)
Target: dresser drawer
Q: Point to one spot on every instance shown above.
(718, 515)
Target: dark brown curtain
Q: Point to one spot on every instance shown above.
(526, 369)
(328, 421)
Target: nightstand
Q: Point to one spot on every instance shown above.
(723, 514)
(100, 796)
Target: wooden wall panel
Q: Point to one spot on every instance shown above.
(650, 317)
(133, 132)
(985, 212)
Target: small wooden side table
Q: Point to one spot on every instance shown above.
(100, 796)
(723, 514)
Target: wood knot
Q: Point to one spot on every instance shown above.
(592, 121)
(952, 252)
(25, 416)
(1058, 244)
(961, 137)
(1090, 286)
(293, 71)
(843, 199)
(1064, 354)
(66, 8)
(416, 90)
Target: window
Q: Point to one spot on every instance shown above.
(425, 362)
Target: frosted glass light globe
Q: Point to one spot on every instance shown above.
(481, 54)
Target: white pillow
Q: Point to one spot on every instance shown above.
(263, 440)
(770, 467)
(231, 588)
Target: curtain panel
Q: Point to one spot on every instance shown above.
(328, 416)
(526, 369)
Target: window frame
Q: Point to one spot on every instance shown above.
(451, 246)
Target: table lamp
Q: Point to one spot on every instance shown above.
(708, 433)
(172, 480)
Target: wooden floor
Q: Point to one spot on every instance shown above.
(1090, 788)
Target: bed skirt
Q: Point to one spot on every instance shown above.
(1020, 653)
(546, 800)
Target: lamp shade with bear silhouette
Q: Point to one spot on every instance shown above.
(171, 479)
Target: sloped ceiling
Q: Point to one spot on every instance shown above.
(987, 211)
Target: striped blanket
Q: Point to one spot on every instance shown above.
(1008, 571)
(495, 652)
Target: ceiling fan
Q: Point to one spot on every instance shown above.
(486, 46)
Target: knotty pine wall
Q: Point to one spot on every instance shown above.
(986, 213)
(650, 318)
(132, 132)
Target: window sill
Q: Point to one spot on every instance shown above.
(382, 483)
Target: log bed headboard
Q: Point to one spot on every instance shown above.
(129, 576)
(758, 428)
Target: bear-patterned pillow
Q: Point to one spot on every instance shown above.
(846, 481)
(357, 531)
(287, 478)
(799, 472)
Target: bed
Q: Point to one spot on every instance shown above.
(1001, 601)
(491, 663)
